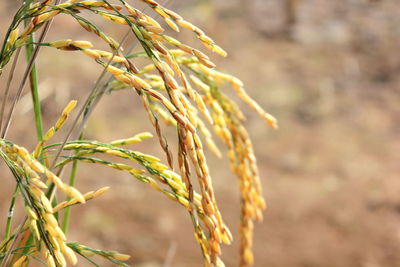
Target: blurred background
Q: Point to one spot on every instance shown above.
(328, 70)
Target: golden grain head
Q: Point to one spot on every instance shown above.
(157, 83)
(61, 43)
(101, 191)
(13, 37)
(31, 214)
(120, 257)
(46, 204)
(39, 183)
(172, 24)
(70, 255)
(115, 71)
(73, 192)
(82, 44)
(20, 262)
(50, 261)
(50, 219)
(60, 258)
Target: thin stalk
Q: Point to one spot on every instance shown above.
(86, 110)
(34, 85)
(72, 180)
(21, 86)
(33, 78)
(6, 258)
(91, 101)
(11, 213)
(7, 91)
(16, 20)
(25, 77)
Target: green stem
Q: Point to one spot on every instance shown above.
(34, 84)
(33, 78)
(36, 102)
(10, 213)
(72, 180)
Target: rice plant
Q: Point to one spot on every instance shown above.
(179, 87)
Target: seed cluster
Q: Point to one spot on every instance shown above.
(180, 86)
(33, 178)
(40, 214)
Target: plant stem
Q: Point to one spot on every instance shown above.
(72, 180)
(10, 213)
(7, 91)
(35, 96)
(25, 76)
(34, 85)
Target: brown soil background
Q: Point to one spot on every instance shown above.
(330, 173)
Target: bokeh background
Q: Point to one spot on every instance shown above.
(328, 70)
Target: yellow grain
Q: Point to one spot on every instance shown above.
(71, 255)
(46, 204)
(92, 53)
(120, 256)
(101, 191)
(72, 191)
(114, 70)
(50, 261)
(20, 261)
(82, 44)
(172, 24)
(13, 37)
(61, 43)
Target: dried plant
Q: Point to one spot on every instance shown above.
(180, 86)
